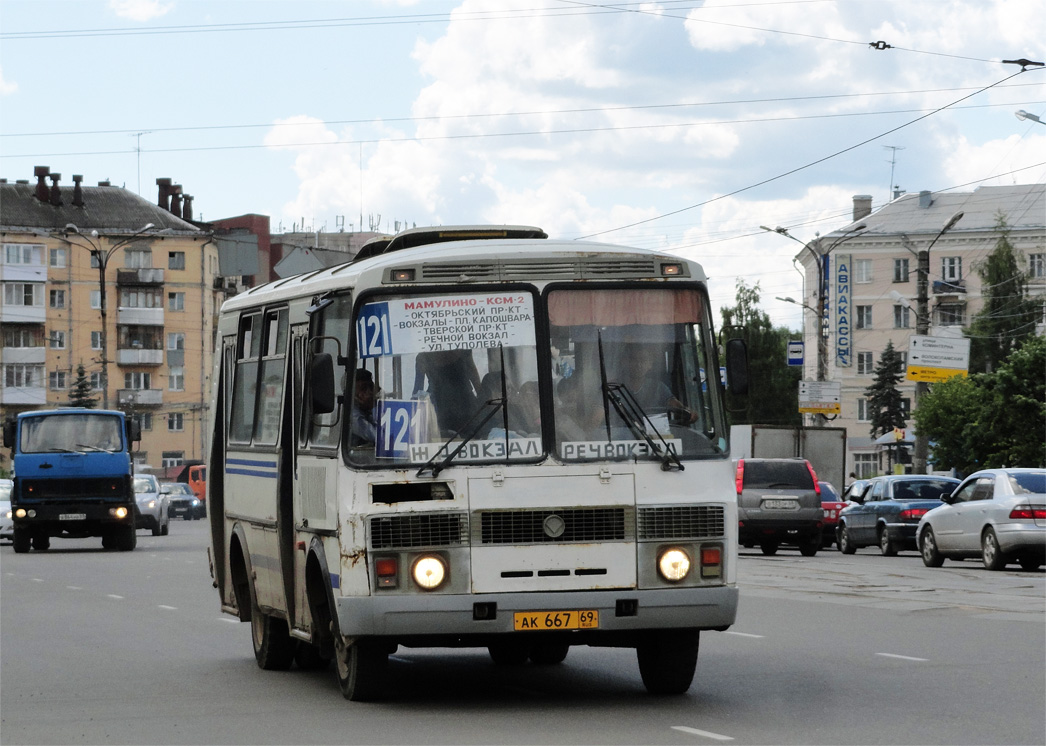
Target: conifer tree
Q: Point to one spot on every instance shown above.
(884, 398)
(80, 393)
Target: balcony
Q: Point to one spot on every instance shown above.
(140, 316)
(138, 356)
(26, 355)
(139, 397)
(23, 314)
(139, 277)
(949, 287)
(23, 395)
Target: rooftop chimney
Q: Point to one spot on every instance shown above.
(164, 192)
(187, 207)
(897, 192)
(56, 193)
(862, 206)
(42, 192)
(176, 200)
(925, 198)
(78, 191)
(105, 183)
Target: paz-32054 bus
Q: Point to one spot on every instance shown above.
(475, 437)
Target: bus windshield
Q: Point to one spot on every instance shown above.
(70, 433)
(630, 370)
(445, 376)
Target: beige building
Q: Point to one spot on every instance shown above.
(871, 290)
(161, 301)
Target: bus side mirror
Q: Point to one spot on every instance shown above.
(9, 433)
(321, 383)
(737, 366)
(134, 431)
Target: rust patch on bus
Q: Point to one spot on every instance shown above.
(360, 555)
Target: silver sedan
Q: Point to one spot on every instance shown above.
(998, 515)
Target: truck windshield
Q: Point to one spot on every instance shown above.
(57, 433)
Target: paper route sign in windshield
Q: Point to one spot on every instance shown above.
(445, 322)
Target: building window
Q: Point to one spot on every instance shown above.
(865, 363)
(20, 336)
(58, 257)
(56, 340)
(176, 301)
(900, 270)
(138, 258)
(951, 268)
(57, 380)
(901, 317)
(23, 253)
(96, 340)
(176, 341)
(1037, 266)
(94, 260)
(863, 270)
(57, 299)
(96, 299)
(176, 260)
(951, 314)
(96, 381)
(21, 375)
(176, 379)
(137, 381)
(866, 465)
(175, 422)
(141, 299)
(144, 420)
(863, 414)
(23, 294)
(172, 458)
(864, 317)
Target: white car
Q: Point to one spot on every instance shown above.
(153, 507)
(7, 526)
(998, 515)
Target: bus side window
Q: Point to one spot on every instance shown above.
(273, 370)
(245, 384)
(332, 323)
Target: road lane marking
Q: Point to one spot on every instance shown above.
(745, 634)
(903, 657)
(704, 733)
(230, 621)
(170, 608)
(38, 580)
(73, 588)
(113, 595)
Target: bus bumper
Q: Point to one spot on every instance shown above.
(481, 615)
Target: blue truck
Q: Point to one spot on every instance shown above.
(73, 477)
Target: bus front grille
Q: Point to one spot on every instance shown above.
(409, 531)
(681, 522)
(580, 525)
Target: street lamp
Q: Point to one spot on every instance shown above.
(1022, 115)
(922, 327)
(102, 256)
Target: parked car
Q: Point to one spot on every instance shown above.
(832, 504)
(779, 502)
(7, 526)
(887, 512)
(996, 514)
(151, 507)
(182, 501)
(854, 490)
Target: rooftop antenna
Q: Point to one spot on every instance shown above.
(893, 162)
(138, 148)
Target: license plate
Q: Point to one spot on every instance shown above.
(780, 504)
(552, 620)
(72, 516)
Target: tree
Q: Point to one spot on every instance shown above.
(990, 419)
(1008, 316)
(773, 396)
(80, 393)
(884, 398)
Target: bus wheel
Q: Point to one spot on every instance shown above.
(361, 668)
(549, 654)
(508, 654)
(667, 661)
(22, 540)
(273, 646)
(41, 542)
(127, 539)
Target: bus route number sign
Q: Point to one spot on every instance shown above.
(528, 621)
(401, 424)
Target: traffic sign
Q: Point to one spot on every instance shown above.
(819, 397)
(795, 352)
(933, 359)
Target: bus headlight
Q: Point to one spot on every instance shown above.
(429, 572)
(674, 565)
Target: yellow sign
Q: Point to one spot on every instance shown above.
(933, 375)
(820, 407)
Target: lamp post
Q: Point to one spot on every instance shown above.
(922, 327)
(102, 256)
(1022, 115)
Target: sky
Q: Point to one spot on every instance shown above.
(677, 125)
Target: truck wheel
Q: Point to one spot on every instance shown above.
(846, 545)
(41, 542)
(22, 540)
(667, 661)
(127, 539)
(361, 668)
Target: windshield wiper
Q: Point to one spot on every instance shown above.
(93, 448)
(497, 403)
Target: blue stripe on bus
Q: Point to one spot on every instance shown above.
(335, 581)
(252, 473)
(248, 462)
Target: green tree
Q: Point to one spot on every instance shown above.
(884, 398)
(1008, 316)
(80, 393)
(773, 394)
(990, 419)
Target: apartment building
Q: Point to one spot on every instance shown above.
(869, 270)
(69, 251)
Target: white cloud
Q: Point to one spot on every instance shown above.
(140, 10)
(6, 87)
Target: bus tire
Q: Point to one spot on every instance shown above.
(273, 646)
(361, 669)
(22, 540)
(549, 653)
(127, 539)
(668, 660)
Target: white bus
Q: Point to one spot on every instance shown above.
(475, 437)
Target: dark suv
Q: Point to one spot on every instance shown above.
(779, 502)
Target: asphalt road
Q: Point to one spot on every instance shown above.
(131, 648)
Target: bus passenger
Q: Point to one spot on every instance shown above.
(364, 426)
(452, 382)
